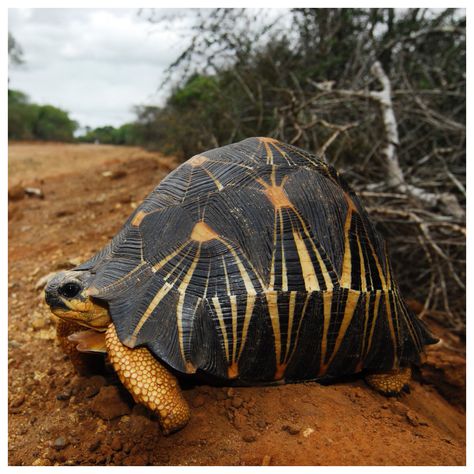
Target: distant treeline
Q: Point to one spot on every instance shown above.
(30, 121)
(127, 134)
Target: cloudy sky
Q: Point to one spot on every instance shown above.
(95, 63)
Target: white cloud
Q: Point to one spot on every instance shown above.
(95, 63)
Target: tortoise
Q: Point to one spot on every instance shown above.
(253, 263)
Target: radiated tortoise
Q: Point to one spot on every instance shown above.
(252, 263)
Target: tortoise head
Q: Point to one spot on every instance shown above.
(68, 295)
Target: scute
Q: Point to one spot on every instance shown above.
(256, 261)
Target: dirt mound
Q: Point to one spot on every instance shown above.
(57, 417)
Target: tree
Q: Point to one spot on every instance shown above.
(29, 121)
(22, 116)
(54, 124)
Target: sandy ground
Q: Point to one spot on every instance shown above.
(58, 417)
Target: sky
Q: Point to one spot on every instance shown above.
(95, 63)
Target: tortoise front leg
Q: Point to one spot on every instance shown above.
(390, 383)
(149, 382)
(82, 362)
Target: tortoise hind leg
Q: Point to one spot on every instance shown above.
(149, 382)
(390, 383)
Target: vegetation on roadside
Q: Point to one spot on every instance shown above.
(30, 121)
(247, 73)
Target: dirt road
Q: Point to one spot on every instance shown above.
(57, 417)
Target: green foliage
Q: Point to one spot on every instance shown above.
(198, 89)
(126, 134)
(54, 124)
(17, 97)
(29, 121)
(195, 113)
(22, 116)
(104, 135)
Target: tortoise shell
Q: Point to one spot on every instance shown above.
(256, 262)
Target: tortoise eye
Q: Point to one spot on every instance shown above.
(69, 290)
